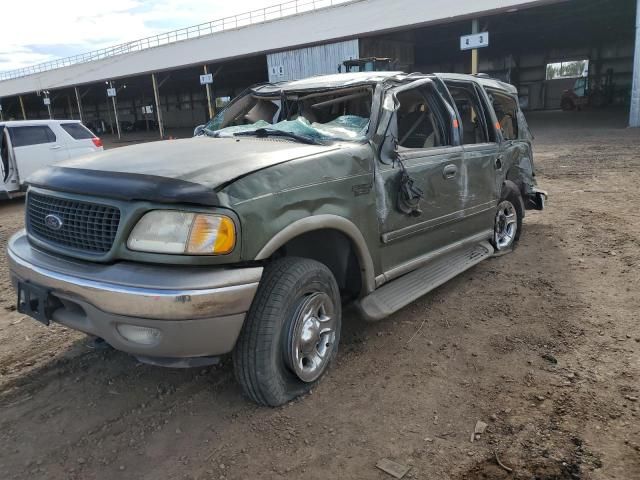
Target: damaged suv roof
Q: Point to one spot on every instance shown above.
(339, 80)
(327, 81)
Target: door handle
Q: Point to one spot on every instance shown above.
(450, 171)
(498, 163)
(55, 147)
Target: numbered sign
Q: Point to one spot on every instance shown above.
(206, 79)
(111, 92)
(46, 100)
(477, 40)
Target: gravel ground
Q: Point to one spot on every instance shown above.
(542, 345)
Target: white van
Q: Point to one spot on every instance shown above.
(29, 145)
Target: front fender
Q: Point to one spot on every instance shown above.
(323, 222)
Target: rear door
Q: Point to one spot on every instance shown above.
(35, 147)
(515, 149)
(482, 158)
(78, 138)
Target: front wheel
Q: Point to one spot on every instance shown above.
(291, 333)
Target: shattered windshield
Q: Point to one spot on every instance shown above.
(332, 115)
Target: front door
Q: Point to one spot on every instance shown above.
(423, 159)
(35, 147)
(8, 173)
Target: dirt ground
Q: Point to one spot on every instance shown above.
(543, 345)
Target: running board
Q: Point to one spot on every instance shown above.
(400, 292)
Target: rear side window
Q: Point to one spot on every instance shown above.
(31, 135)
(77, 131)
(475, 126)
(506, 110)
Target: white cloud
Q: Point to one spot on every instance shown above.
(38, 31)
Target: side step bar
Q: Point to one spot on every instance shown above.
(400, 292)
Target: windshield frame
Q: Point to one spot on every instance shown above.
(376, 102)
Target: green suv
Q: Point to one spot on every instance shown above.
(297, 198)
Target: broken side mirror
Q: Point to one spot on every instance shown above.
(198, 130)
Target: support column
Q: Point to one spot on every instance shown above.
(474, 53)
(156, 95)
(634, 114)
(24, 115)
(115, 112)
(79, 101)
(70, 106)
(109, 116)
(212, 111)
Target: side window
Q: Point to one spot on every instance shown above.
(77, 131)
(421, 121)
(472, 114)
(506, 110)
(31, 135)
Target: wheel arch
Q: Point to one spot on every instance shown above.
(511, 186)
(333, 226)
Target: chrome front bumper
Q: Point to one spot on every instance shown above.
(198, 311)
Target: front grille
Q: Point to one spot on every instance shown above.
(87, 227)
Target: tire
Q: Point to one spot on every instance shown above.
(567, 105)
(598, 100)
(508, 220)
(281, 332)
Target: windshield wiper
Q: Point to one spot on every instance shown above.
(272, 132)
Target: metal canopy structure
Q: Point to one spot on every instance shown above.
(290, 25)
(158, 79)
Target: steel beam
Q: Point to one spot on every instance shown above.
(474, 53)
(24, 115)
(208, 87)
(115, 112)
(634, 114)
(79, 100)
(70, 106)
(156, 95)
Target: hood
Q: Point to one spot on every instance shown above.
(187, 170)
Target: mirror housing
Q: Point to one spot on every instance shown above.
(198, 130)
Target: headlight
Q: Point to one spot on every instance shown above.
(170, 231)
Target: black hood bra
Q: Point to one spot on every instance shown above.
(123, 186)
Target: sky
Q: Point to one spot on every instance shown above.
(35, 31)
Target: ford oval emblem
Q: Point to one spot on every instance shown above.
(53, 222)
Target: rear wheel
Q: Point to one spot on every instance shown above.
(508, 221)
(291, 333)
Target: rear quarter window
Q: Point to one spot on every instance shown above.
(31, 135)
(506, 109)
(77, 131)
